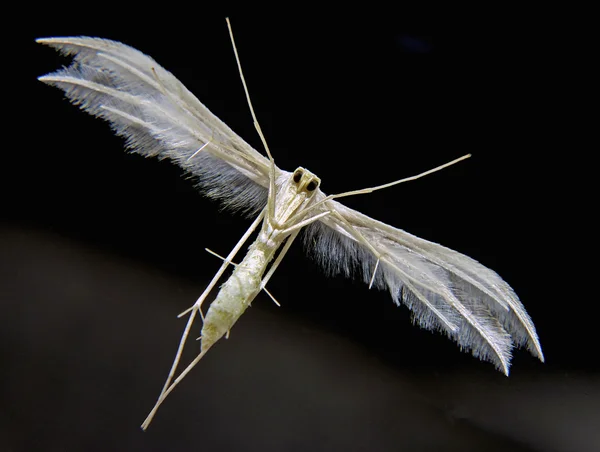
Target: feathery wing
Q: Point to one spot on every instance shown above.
(159, 117)
(444, 289)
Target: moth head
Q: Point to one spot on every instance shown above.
(305, 181)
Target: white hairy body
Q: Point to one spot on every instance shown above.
(445, 290)
(236, 294)
(247, 279)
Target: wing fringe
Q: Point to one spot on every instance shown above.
(159, 117)
(445, 290)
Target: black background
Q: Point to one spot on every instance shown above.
(101, 249)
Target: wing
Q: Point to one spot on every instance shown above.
(160, 118)
(445, 290)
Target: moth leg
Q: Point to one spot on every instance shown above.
(271, 296)
(363, 240)
(194, 310)
(220, 257)
(200, 149)
(227, 262)
(278, 260)
(306, 222)
(360, 238)
(235, 265)
(170, 388)
(295, 230)
(357, 235)
(374, 272)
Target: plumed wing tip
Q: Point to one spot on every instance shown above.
(51, 79)
(503, 362)
(58, 40)
(66, 44)
(46, 78)
(537, 352)
(51, 41)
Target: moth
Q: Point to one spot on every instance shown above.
(159, 117)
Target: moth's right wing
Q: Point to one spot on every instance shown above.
(446, 290)
(160, 118)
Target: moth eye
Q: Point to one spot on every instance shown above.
(312, 185)
(297, 176)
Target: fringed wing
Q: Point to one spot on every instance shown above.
(445, 290)
(160, 118)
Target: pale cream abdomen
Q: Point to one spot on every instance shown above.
(235, 295)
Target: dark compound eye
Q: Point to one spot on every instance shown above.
(311, 185)
(297, 176)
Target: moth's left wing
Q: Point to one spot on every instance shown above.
(159, 117)
(445, 290)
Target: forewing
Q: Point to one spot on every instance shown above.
(445, 290)
(160, 118)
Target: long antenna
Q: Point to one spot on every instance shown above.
(272, 191)
(406, 179)
(237, 59)
(379, 187)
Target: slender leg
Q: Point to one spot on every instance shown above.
(235, 265)
(170, 388)
(220, 257)
(272, 297)
(374, 272)
(199, 150)
(194, 310)
(363, 240)
(295, 231)
(357, 235)
(305, 222)
(226, 263)
(279, 258)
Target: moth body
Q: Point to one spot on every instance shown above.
(237, 293)
(292, 197)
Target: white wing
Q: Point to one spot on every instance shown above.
(444, 289)
(160, 118)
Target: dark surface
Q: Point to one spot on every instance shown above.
(99, 250)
